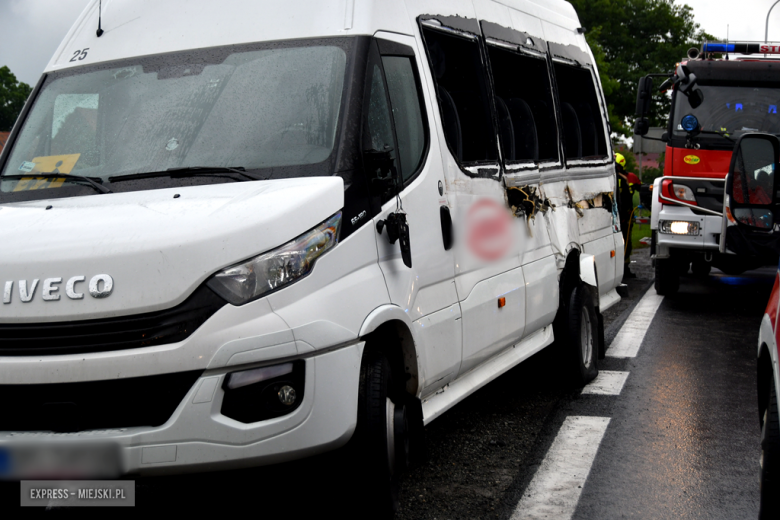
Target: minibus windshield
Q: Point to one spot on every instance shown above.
(269, 108)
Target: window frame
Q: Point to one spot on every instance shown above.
(396, 49)
(493, 170)
(524, 167)
(586, 66)
(374, 58)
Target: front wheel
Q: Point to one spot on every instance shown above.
(583, 336)
(770, 459)
(382, 436)
(667, 277)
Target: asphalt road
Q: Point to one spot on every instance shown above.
(681, 440)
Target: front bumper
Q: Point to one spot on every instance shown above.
(707, 240)
(197, 437)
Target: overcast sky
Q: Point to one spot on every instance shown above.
(31, 30)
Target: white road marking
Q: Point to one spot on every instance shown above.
(627, 342)
(557, 485)
(608, 382)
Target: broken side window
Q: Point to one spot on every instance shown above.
(524, 106)
(462, 92)
(581, 120)
(403, 85)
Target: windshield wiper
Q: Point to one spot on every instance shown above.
(95, 182)
(722, 134)
(189, 171)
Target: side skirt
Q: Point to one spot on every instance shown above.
(436, 404)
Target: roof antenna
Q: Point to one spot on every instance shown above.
(100, 14)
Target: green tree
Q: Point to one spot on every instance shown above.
(13, 94)
(632, 38)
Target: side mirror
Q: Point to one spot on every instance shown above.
(686, 84)
(751, 186)
(644, 96)
(641, 127)
(695, 98)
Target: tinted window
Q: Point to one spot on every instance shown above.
(463, 96)
(405, 101)
(583, 128)
(524, 106)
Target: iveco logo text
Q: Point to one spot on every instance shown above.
(100, 286)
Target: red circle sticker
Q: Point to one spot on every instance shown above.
(488, 231)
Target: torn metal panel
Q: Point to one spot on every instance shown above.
(578, 188)
(527, 200)
(460, 24)
(570, 54)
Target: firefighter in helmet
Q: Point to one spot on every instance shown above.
(625, 200)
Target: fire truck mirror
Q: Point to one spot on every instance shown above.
(695, 98)
(641, 126)
(644, 96)
(751, 185)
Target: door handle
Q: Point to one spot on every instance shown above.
(446, 226)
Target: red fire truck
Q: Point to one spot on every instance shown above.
(715, 101)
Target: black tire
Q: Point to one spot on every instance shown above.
(683, 266)
(701, 267)
(653, 244)
(381, 451)
(667, 277)
(770, 459)
(583, 336)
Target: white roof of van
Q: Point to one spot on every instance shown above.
(146, 27)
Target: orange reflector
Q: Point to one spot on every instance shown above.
(612, 254)
(501, 302)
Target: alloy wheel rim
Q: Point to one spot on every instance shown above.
(390, 434)
(586, 338)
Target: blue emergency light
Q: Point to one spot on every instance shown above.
(689, 123)
(742, 48)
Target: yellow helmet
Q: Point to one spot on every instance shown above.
(620, 160)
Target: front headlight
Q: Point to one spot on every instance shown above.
(275, 269)
(678, 227)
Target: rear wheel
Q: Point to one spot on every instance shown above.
(583, 336)
(770, 459)
(667, 277)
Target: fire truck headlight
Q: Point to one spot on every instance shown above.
(678, 227)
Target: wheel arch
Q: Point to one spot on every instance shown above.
(389, 330)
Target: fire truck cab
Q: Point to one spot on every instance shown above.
(714, 103)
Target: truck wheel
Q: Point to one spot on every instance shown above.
(667, 277)
(683, 266)
(382, 440)
(701, 267)
(583, 336)
(770, 459)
